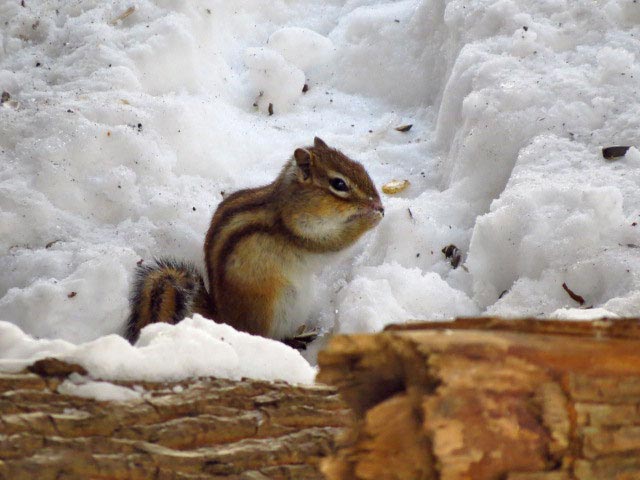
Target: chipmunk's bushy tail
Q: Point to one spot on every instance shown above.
(166, 291)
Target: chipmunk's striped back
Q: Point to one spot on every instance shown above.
(245, 216)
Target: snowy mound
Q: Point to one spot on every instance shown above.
(301, 46)
(196, 347)
(122, 128)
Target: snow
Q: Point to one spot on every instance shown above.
(278, 82)
(103, 391)
(123, 132)
(196, 347)
(582, 314)
(302, 47)
(387, 293)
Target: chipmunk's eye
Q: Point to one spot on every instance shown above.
(338, 184)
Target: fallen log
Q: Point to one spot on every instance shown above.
(202, 428)
(489, 399)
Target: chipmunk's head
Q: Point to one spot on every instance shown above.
(333, 200)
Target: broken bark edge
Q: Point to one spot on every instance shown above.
(489, 398)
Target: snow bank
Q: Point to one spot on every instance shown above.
(378, 296)
(124, 130)
(196, 347)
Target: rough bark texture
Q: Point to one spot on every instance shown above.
(208, 428)
(488, 399)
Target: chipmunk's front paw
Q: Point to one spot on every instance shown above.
(303, 338)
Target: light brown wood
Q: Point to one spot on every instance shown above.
(489, 399)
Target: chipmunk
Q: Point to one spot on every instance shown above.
(260, 246)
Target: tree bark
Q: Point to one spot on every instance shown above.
(489, 399)
(206, 428)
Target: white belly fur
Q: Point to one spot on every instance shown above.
(295, 304)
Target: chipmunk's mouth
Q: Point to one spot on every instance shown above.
(371, 215)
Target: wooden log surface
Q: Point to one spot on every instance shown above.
(204, 428)
(489, 399)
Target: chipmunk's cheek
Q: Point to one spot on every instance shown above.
(316, 226)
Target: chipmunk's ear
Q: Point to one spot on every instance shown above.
(319, 143)
(304, 159)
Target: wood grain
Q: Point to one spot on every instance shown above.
(489, 399)
(204, 428)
